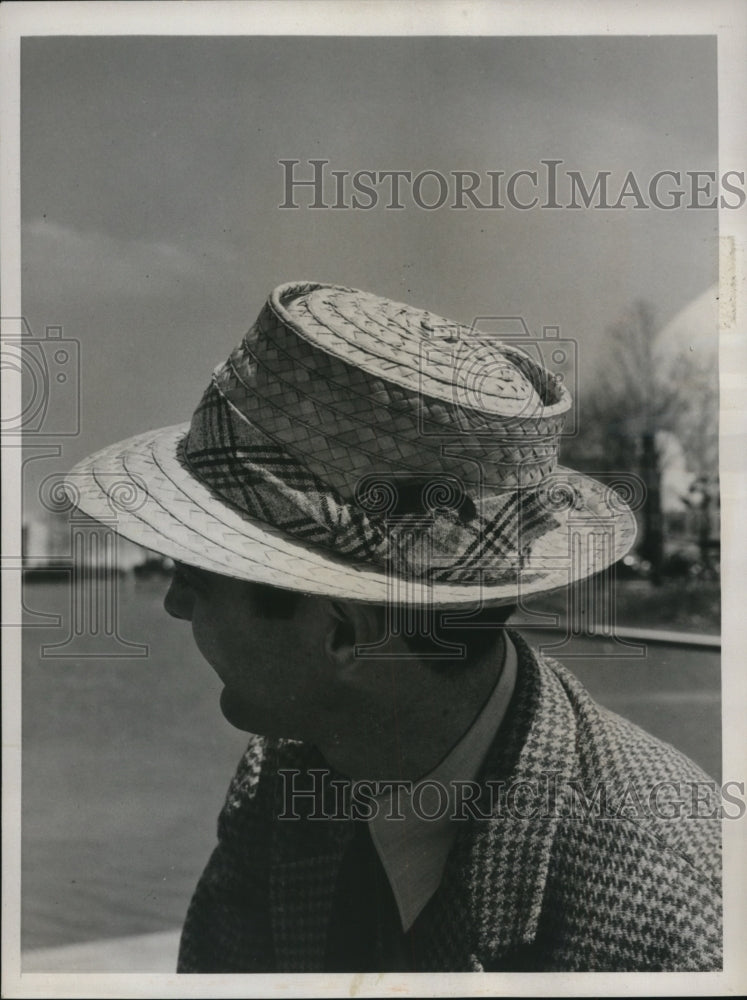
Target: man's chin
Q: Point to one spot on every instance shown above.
(244, 717)
(235, 711)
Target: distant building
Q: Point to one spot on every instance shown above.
(48, 540)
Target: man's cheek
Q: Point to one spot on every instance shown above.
(208, 645)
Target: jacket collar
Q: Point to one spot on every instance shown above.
(490, 899)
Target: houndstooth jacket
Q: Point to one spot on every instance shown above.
(605, 883)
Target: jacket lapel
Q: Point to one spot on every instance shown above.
(305, 860)
(490, 900)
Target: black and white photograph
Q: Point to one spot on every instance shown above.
(373, 459)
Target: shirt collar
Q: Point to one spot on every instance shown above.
(414, 850)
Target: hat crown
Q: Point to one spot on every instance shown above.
(351, 383)
(416, 349)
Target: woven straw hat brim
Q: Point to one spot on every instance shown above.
(144, 492)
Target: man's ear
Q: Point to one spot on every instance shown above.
(349, 624)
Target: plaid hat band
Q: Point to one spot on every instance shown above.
(421, 527)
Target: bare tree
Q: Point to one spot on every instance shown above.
(646, 387)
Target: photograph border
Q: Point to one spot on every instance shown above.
(727, 20)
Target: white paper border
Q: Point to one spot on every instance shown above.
(728, 20)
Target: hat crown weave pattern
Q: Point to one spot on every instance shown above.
(351, 383)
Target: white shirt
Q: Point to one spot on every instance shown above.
(413, 851)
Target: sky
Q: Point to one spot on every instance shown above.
(151, 184)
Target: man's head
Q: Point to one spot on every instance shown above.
(298, 665)
(383, 464)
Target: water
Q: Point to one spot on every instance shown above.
(125, 767)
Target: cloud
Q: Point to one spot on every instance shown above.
(60, 260)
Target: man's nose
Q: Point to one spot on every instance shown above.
(179, 599)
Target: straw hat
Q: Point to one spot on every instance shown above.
(359, 447)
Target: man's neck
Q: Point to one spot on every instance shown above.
(417, 718)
